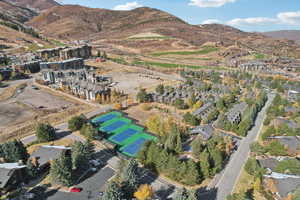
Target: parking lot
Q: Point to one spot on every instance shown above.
(90, 187)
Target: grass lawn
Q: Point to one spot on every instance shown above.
(259, 56)
(244, 183)
(151, 38)
(173, 65)
(204, 50)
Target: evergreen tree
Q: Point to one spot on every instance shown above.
(217, 158)
(88, 131)
(32, 170)
(14, 151)
(197, 147)
(205, 163)
(61, 170)
(160, 89)
(89, 148)
(45, 133)
(76, 123)
(79, 159)
(112, 192)
(130, 177)
(143, 96)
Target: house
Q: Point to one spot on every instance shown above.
(268, 163)
(281, 187)
(5, 73)
(293, 94)
(282, 121)
(234, 115)
(83, 51)
(205, 131)
(292, 143)
(254, 66)
(11, 176)
(204, 110)
(45, 154)
(291, 109)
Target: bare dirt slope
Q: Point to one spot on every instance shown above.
(37, 5)
(288, 34)
(77, 22)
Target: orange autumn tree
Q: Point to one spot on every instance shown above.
(144, 192)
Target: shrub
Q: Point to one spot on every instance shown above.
(45, 133)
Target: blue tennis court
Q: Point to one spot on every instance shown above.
(114, 126)
(134, 148)
(121, 137)
(104, 118)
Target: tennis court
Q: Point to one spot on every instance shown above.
(121, 138)
(103, 118)
(132, 149)
(110, 128)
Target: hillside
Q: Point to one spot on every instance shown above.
(37, 5)
(14, 14)
(285, 34)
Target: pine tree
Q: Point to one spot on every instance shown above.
(32, 170)
(45, 133)
(205, 163)
(129, 176)
(61, 170)
(112, 192)
(197, 147)
(79, 159)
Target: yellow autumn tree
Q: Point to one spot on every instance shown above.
(257, 185)
(153, 123)
(118, 106)
(144, 192)
(197, 105)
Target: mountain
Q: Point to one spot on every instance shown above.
(37, 5)
(285, 34)
(14, 14)
(74, 22)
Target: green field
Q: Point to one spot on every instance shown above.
(204, 50)
(259, 56)
(151, 38)
(171, 65)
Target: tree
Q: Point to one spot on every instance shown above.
(76, 123)
(45, 133)
(257, 185)
(61, 170)
(118, 106)
(197, 105)
(14, 151)
(179, 103)
(184, 194)
(143, 96)
(160, 89)
(205, 163)
(192, 101)
(154, 124)
(257, 149)
(32, 168)
(79, 158)
(253, 168)
(275, 148)
(112, 192)
(197, 147)
(190, 119)
(130, 177)
(144, 192)
(88, 131)
(217, 158)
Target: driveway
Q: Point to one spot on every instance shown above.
(90, 187)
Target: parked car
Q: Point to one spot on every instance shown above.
(75, 189)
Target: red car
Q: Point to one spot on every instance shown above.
(75, 189)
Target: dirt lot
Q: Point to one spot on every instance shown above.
(130, 78)
(28, 104)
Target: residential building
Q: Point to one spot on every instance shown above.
(292, 143)
(28, 67)
(65, 53)
(234, 115)
(11, 176)
(70, 64)
(205, 131)
(45, 154)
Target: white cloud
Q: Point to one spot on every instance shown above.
(291, 18)
(128, 6)
(251, 21)
(210, 3)
(212, 21)
(284, 18)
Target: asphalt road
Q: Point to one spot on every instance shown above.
(90, 187)
(234, 168)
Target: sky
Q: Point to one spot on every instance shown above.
(247, 15)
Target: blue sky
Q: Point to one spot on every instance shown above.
(248, 15)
